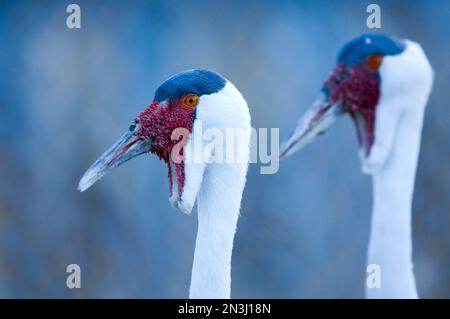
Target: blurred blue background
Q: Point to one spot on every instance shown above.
(66, 95)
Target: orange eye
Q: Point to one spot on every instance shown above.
(190, 101)
(374, 62)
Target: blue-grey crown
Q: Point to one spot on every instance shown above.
(358, 49)
(196, 81)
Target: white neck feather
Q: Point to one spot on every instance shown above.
(390, 244)
(218, 187)
(406, 85)
(218, 210)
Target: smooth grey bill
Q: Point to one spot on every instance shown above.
(315, 121)
(127, 147)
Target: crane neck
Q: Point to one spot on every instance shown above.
(218, 205)
(390, 244)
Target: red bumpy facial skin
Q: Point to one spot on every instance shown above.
(157, 122)
(358, 89)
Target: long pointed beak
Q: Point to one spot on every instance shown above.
(315, 121)
(128, 146)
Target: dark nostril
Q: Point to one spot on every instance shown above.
(132, 127)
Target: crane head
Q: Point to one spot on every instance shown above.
(372, 74)
(169, 120)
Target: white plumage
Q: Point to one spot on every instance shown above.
(218, 188)
(200, 102)
(405, 87)
(401, 73)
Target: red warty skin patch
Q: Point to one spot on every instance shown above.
(358, 89)
(157, 122)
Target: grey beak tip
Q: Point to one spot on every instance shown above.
(88, 179)
(127, 147)
(82, 186)
(284, 152)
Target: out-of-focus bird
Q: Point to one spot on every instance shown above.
(383, 83)
(185, 107)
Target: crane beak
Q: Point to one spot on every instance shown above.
(315, 121)
(128, 146)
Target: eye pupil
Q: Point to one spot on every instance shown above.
(132, 127)
(190, 101)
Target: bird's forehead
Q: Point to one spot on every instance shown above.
(197, 81)
(357, 50)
